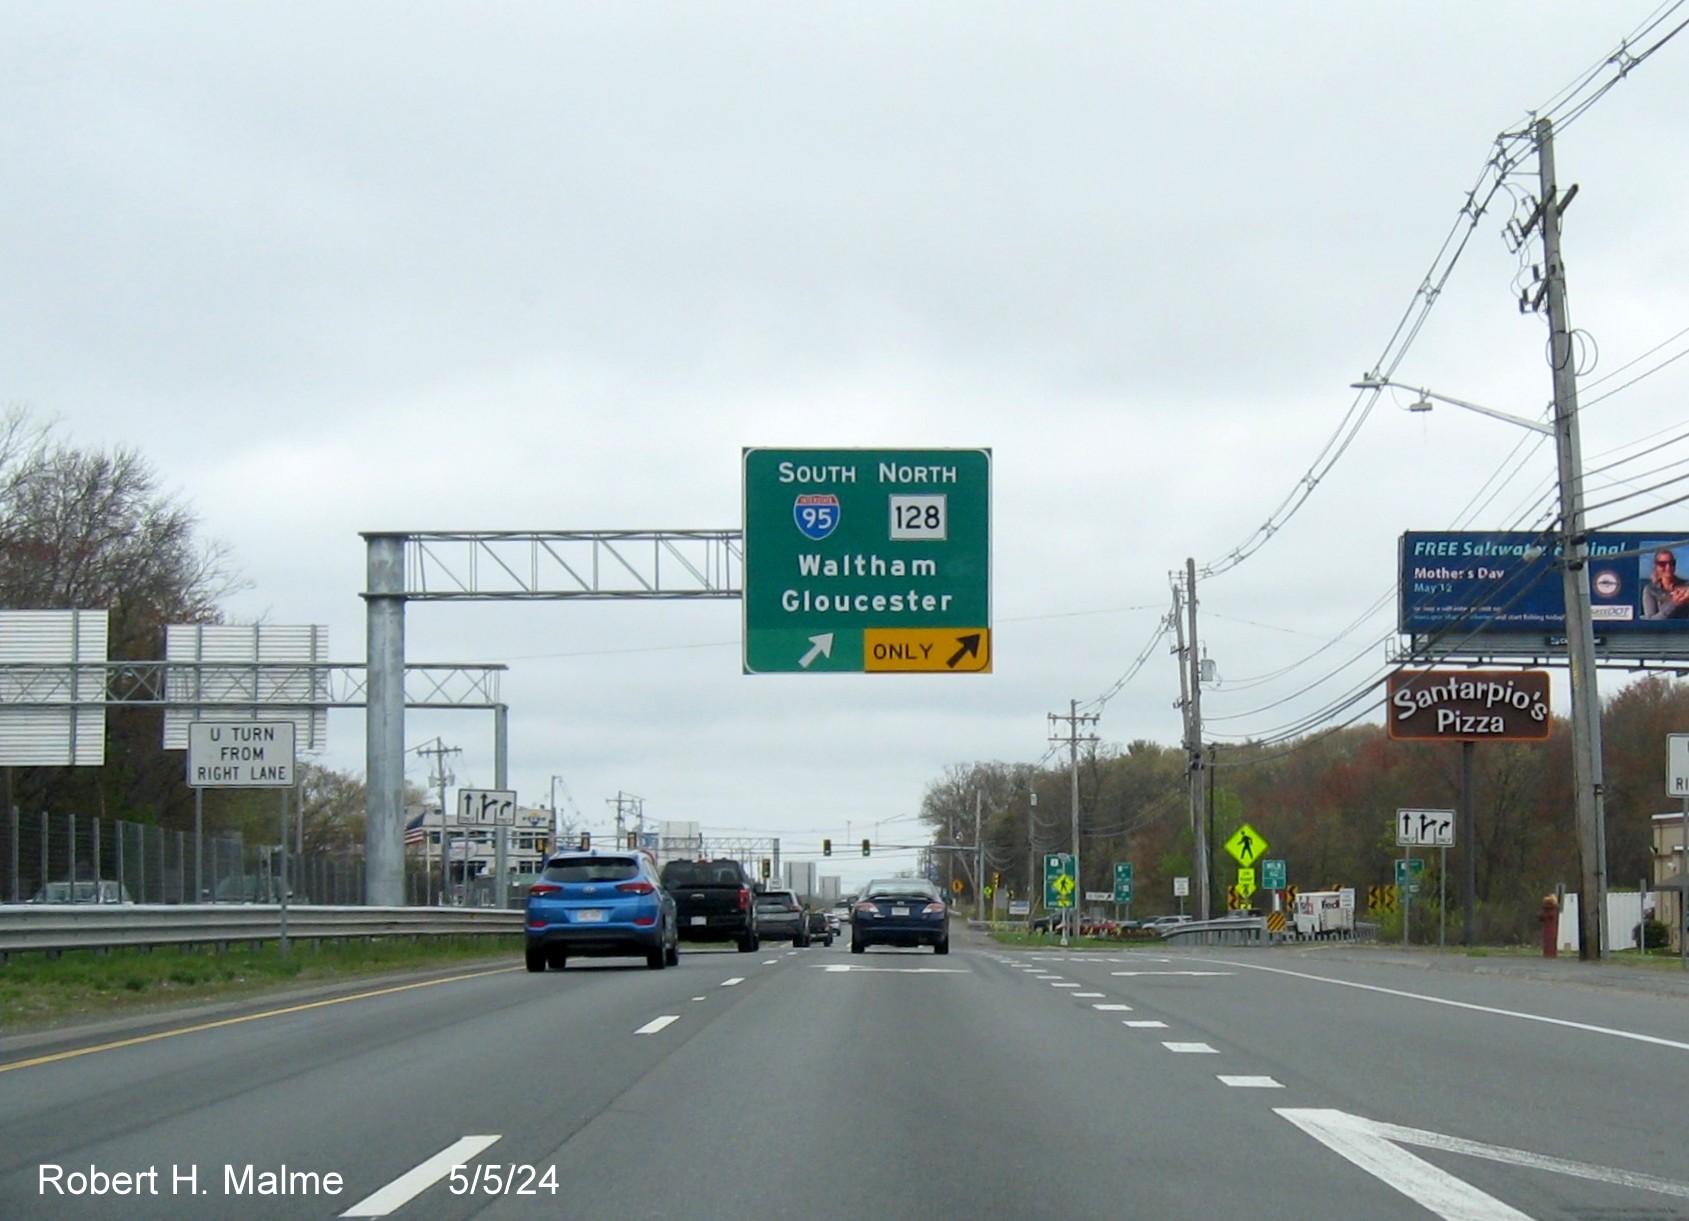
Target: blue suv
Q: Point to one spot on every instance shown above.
(600, 905)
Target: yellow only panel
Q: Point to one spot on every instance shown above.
(926, 650)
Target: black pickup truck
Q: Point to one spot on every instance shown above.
(713, 901)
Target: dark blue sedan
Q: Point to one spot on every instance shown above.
(599, 905)
(900, 911)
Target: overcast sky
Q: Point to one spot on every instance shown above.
(550, 266)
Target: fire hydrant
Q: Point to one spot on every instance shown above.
(1549, 918)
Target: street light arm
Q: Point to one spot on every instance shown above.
(1378, 383)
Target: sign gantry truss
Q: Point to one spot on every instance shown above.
(490, 565)
(210, 685)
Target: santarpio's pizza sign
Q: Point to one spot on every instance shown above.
(1469, 706)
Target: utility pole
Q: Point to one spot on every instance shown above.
(1587, 773)
(624, 802)
(979, 864)
(1074, 720)
(1031, 846)
(1190, 693)
(439, 778)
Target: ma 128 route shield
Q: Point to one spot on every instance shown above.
(867, 561)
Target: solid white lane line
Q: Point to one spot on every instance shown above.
(414, 1182)
(1191, 1049)
(1490, 1009)
(656, 1024)
(1172, 972)
(1250, 1083)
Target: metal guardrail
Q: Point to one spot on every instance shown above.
(1245, 930)
(49, 927)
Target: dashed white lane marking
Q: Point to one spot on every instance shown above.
(1111, 1007)
(1191, 1049)
(737, 979)
(419, 1179)
(1250, 1083)
(1046, 977)
(1062, 985)
(1144, 1025)
(656, 1024)
(1088, 994)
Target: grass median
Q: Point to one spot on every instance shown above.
(91, 985)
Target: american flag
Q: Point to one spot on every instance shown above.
(415, 832)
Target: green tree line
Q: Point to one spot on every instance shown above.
(1325, 805)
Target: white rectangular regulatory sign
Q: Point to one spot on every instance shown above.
(1427, 828)
(1677, 765)
(240, 754)
(483, 807)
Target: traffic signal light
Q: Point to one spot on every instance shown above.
(586, 841)
(826, 847)
(864, 847)
(767, 868)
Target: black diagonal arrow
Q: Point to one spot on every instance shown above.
(970, 648)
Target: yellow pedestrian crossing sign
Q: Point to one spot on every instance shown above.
(1059, 882)
(1246, 845)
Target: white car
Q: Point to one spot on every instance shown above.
(1166, 921)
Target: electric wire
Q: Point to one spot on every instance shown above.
(1510, 148)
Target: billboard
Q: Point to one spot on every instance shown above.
(1468, 706)
(1463, 584)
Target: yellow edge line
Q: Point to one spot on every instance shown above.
(236, 1021)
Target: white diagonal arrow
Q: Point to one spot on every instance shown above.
(1372, 1146)
(822, 647)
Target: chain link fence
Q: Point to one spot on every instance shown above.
(69, 858)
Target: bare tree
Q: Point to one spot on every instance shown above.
(91, 529)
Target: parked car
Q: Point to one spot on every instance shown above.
(713, 901)
(900, 911)
(600, 905)
(820, 927)
(1162, 923)
(781, 916)
(252, 888)
(87, 891)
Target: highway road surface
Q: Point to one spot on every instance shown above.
(815, 1083)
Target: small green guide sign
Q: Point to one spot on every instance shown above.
(1123, 881)
(867, 561)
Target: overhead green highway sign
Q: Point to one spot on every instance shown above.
(867, 561)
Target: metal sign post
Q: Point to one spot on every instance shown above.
(1677, 785)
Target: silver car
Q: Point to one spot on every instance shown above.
(782, 917)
